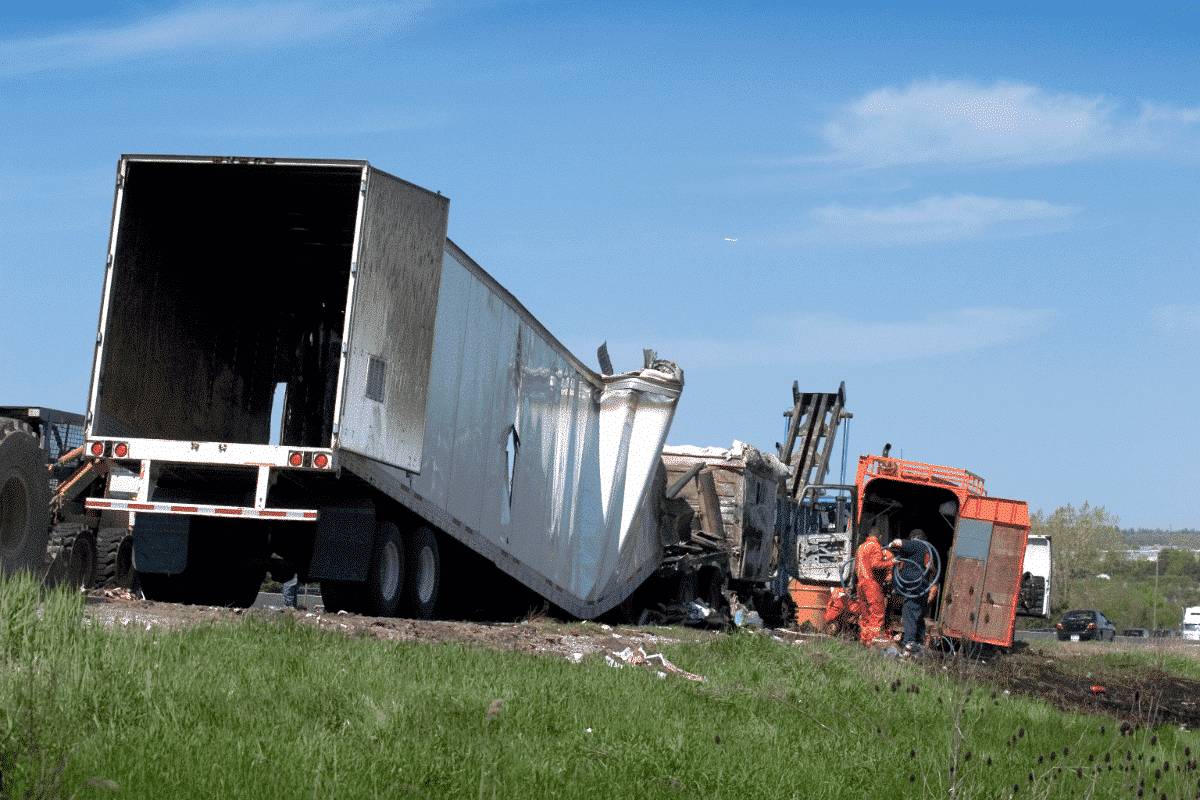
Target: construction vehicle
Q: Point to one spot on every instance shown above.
(43, 480)
(297, 371)
(980, 540)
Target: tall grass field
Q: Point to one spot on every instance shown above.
(275, 709)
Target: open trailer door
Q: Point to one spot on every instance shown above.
(984, 573)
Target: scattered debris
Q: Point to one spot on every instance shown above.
(639, 657)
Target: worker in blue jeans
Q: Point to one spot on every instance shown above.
(912, 581)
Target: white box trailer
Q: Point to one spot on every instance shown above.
(1190, 627)
(421, 412)
(1034, 599)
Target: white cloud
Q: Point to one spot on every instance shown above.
(211, 28)
(933, 219)
(829, 338)
(960, 122)
(1176, 320)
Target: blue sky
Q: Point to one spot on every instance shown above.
(984, 219)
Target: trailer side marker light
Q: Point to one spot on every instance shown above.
(321, 460)
(296, 459)
(97, 448)
(121, 450)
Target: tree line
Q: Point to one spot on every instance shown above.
(1087, 541)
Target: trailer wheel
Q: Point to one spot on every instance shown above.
(162, 587)
(713, 583)
(385, 577)
(24, 500)
(341, 596)
(79, 556)
(114, 552)
(423, 576)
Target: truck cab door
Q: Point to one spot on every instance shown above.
(984, 577)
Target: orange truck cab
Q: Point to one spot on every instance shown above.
(980, 540)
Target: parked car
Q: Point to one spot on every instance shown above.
(1138, 632)
(1084, 624)
(1165, 633)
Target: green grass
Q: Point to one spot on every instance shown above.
(279, 710)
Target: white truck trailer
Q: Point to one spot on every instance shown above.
(296, 370)
(1190, 627)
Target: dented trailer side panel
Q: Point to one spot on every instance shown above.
(531, 458)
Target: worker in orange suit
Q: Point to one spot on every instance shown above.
(842, 611)
(872, 568)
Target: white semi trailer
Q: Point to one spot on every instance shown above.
(296, 370)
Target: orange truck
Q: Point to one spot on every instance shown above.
(980, 540)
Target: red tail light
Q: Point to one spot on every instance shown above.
(296, 459)
(1059, 626)
(97, 448)
(121, 450)
(1091, 626)
(321, 460)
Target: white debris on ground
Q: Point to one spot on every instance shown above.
(639, 657)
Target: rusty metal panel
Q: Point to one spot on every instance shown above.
(710, 507)
(760, 550)
(747, 499)
(1001, 585)
(964, 589)
(389, 335)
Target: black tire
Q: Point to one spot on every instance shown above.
(114, 554)
(341, 596)
(79, 557)
(422, 574)
(224, 565)
(24, 500)
(163, 588)
(713, 583)
(687, 588)
(385, 576)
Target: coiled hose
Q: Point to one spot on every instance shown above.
(913, 588)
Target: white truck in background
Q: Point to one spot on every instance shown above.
(1034, 598)
(431, 437)
(1190, 627)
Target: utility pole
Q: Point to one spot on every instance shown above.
(1157, 553)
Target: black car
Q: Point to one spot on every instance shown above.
(1082, 625)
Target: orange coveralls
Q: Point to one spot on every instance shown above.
(872, 566)
(841, 611)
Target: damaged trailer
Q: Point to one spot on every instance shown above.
(301, 373)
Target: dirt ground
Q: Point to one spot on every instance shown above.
(1055, 672)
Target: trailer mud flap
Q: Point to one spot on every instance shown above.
(342, 545)
(160, 543)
